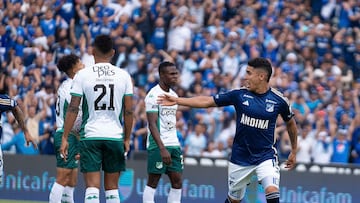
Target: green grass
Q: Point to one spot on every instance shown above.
(18, 201)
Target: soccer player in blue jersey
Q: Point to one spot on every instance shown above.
(257, 107)
(8, 104)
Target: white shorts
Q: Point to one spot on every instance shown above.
(239, 177)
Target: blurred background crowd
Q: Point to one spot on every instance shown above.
(314, 47)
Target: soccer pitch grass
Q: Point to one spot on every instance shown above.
(18, 201)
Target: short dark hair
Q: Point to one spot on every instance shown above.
(164, 65)
(67, 62)
(103, 43)
(262, 63)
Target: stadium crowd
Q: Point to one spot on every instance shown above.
(314, 47)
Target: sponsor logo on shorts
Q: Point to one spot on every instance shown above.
(158, 165)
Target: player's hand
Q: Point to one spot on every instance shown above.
(126, 147)
(165, 155)
(166, 100)
(64, 148)
(291, 161)
(29, 138)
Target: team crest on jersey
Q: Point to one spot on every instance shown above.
(158, 165)
(269, 107)
(246, 103)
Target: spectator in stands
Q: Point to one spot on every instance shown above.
(285, 145)
(214, 150)
(195, 142)
(158, 36)
(18, 140)
(179, 35)
(144, 20)
(305, 143)
(341, 147)
(322, 149)
(187, 74)
(355, 153)
(32, 116)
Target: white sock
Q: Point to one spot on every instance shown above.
(112, 196)
(56, 193)
(68, 195)
(92, 195)
(174, 196)
(148, 195)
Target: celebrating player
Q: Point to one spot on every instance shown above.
(257, 108)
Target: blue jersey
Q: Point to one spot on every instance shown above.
(256, 116)
(6, 103)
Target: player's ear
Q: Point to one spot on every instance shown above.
(263, 75)
(112, 52)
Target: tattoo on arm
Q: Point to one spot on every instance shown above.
(128, 112)
(73, 109)
(20, 118)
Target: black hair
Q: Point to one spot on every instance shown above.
(103, 43)
(164, 65)
(262, 63)
(67, 62)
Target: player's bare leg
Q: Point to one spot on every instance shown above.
(176, 185)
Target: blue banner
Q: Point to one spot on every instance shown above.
(31, 178)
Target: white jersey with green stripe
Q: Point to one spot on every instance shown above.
(102, 87)
(62, 103)
(166, 118)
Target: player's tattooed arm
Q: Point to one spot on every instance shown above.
(20, 118)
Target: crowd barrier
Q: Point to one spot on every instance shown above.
(204, 180)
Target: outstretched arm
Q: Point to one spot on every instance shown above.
(20, 118)
(292, 130)
(196, 102)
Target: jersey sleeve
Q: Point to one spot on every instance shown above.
(76, 87)
(151, 104)
(6, 103)
(225, 99)
(286, 111)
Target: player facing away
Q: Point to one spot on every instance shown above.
(257, 108)
(8, 104)
(66, 171)
(163, 147)
(106, 93)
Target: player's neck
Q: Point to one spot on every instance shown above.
(101, 60)
(164, 87)
(262, 89)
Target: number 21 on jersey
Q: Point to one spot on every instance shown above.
(101, 102)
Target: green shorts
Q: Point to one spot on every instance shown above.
(107, 155)
(156, 166)
(71, 162)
